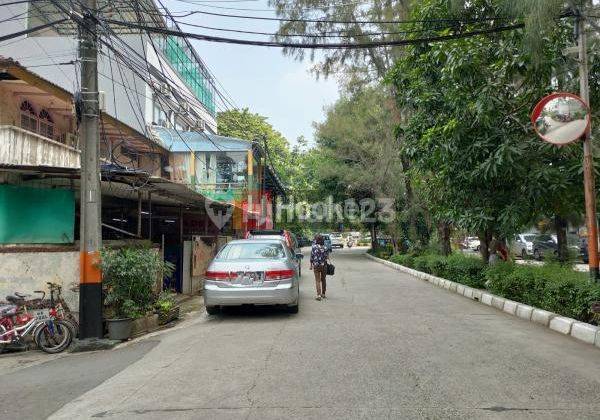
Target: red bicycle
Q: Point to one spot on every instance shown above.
(51, 334)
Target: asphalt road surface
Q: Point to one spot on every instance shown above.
(384, 345)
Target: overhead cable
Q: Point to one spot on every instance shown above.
(370, 44)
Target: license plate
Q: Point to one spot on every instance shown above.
(249, 279)
(41, 314)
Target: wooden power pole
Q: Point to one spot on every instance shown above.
(588, 160)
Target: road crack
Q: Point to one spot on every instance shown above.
(264, 367)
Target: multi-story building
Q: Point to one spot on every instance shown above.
(147, 83)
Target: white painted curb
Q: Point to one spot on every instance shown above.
(581, 331)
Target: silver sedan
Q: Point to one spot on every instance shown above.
(252, 271)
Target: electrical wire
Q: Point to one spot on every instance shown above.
(325, 6)
(326, 34)
(225, 95)
(396, 22)
(371, 44)
(30, 30)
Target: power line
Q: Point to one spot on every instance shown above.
(371, 44)
(30, 30)
(325, 6)
(226, 96)
(461, 20)
(326, 34)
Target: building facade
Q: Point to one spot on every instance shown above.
(167, 179)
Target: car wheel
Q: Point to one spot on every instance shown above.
(293, 309)
(524, 254)
(537, 255)
(212, 310)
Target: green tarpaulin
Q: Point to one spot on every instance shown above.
(36, 215)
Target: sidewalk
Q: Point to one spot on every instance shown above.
(190, 305)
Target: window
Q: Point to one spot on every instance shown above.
(252, 251)
(46, 124)
(180, 124)
(28, 117)
(159, 116)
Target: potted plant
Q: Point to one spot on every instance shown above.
(166, 307)
(129, 276)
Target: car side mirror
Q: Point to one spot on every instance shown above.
(299, 256)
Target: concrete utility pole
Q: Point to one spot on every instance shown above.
(588, 161)
(90, 291)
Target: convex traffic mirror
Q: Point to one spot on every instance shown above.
(561, 118)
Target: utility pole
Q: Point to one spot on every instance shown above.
(90, 287)
(588, 161)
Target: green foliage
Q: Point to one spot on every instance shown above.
(476, 162)
(357, 154)
(406, 260)
(165, 302)
(382, 252)
(465, 269)
(129, 276)
(551, 287)
(243, 124)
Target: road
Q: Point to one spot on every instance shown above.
(384, 345)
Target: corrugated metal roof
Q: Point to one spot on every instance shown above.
(183, 141)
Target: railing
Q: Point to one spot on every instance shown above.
(19, 147)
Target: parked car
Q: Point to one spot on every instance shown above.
(337, 241)
(290, 240)
(522, 245)
(543, 245)
(583, 250)
(252, 271)
(472, 243)
(303, 241)
(289, 237)
(327, 240)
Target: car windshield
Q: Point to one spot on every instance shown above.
(544, 238)
(250, 250)
(528, 238)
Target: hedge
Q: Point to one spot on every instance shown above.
(457, 267)
(552, 287)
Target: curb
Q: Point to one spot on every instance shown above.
(581, 331)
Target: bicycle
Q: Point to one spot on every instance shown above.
(51, 334)
(62, 309)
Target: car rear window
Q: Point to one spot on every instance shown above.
(252, 251)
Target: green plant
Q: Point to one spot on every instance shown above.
(129, 275)
(552, 287)
(403, 259)
(382, 251)
(465, 269)
(165, 301)
(422, 263)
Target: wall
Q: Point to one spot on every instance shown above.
(28, 271)
(36, 215)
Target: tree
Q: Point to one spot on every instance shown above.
(243, 124)
(358, 152)
(361, 66)
(476, 160)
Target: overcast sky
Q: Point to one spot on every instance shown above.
(260, 78)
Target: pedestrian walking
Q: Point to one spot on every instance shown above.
(319, 255)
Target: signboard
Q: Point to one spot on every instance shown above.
(561, 118)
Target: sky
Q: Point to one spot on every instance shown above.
(260, 78)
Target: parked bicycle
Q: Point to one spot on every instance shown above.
(17, 321)
(62, 309)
